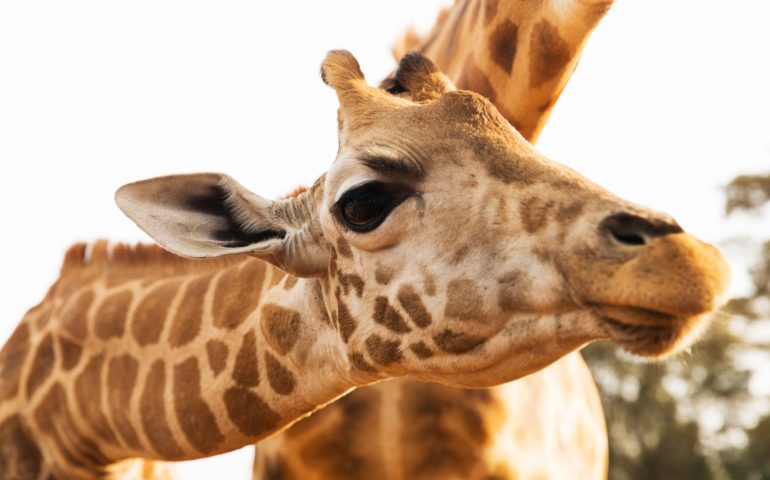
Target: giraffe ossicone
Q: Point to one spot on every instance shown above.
(440, 245)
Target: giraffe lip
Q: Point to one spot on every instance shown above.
(636, 317)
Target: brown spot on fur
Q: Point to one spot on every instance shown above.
(343, 248)
(360, 362)
(54, 419)
(122, 374)
(502, 44)
(534, 213)
(490, 10)
(42, 364)
(549, 55)
(189, 316)
(343, 450)
(110, 320)
(153, 413)
(281, 327)
(151, 313)
(289, 283)
(474, 79)
(463, 300)
(568, 213)
(457, 342)
(74, 319)
(352, 280)
(237, 294)
(511, 294)
(88, 396)
(249, 413)
(383, 351)
(413, 305)
(428, 282)
(193, 413)
(279, 377)
(12, 359)
(246, 371)
(445, 430)
(421, 350)
(386, 315)
(346, 322)
(383, 275)
(275, 468)
(70, 352)
(20, 456)
(217, 353)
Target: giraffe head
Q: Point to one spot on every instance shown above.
(446, 247)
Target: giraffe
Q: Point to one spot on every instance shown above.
(492, 260)
(479, 42)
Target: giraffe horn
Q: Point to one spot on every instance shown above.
(418, 75)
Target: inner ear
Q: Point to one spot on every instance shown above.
(419, 77)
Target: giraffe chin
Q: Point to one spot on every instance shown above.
(648, 333)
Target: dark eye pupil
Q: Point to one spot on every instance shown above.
(366, 207)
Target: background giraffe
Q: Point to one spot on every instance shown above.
(335, 328)
(549, 424)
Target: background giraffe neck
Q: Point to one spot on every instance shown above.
(136, 352)
(518, 54)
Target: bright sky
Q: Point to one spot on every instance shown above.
(669, 102)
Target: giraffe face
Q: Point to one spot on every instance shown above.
(461, 254)
(446, 246)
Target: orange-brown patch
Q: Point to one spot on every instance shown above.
(351, 280)
(70, 352)
(249, 412)
(74, 315)
(421, 350)
(88, 396)
(217, 353)
(54, 419)
(122, 373)
(151, 312)
(566, 214)
(457, 342)
(511, 294)
(281, 327)
(383, 275)
(428, 282)
(412, 304)
(193, 413)
(237, 294)
(110, 319)
(189, 316)
(386, 315)
(550, 53)
(358, 361)
(42, 364)
(289, 283)
(279, 377)
(384, 352)
(490, 10)
(463, 300)
(343, 248)
(503, 43)
(347, 324)
(152, 406)
(246, 369)
(534, 213)
(12, 359)
(21, 457)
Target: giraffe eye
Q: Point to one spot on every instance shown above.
(365, 207)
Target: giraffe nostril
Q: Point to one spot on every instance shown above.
(632, 230)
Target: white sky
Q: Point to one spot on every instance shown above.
(670, 101)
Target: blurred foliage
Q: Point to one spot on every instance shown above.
(694, 416)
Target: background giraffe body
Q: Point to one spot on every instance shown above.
(137, 353)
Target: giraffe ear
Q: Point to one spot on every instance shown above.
(419, 77)
(211, 215)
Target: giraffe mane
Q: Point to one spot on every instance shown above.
(139, 257)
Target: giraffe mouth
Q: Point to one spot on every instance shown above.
(647, 333)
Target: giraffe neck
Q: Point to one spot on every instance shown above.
(172, 365)
(518, 54)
